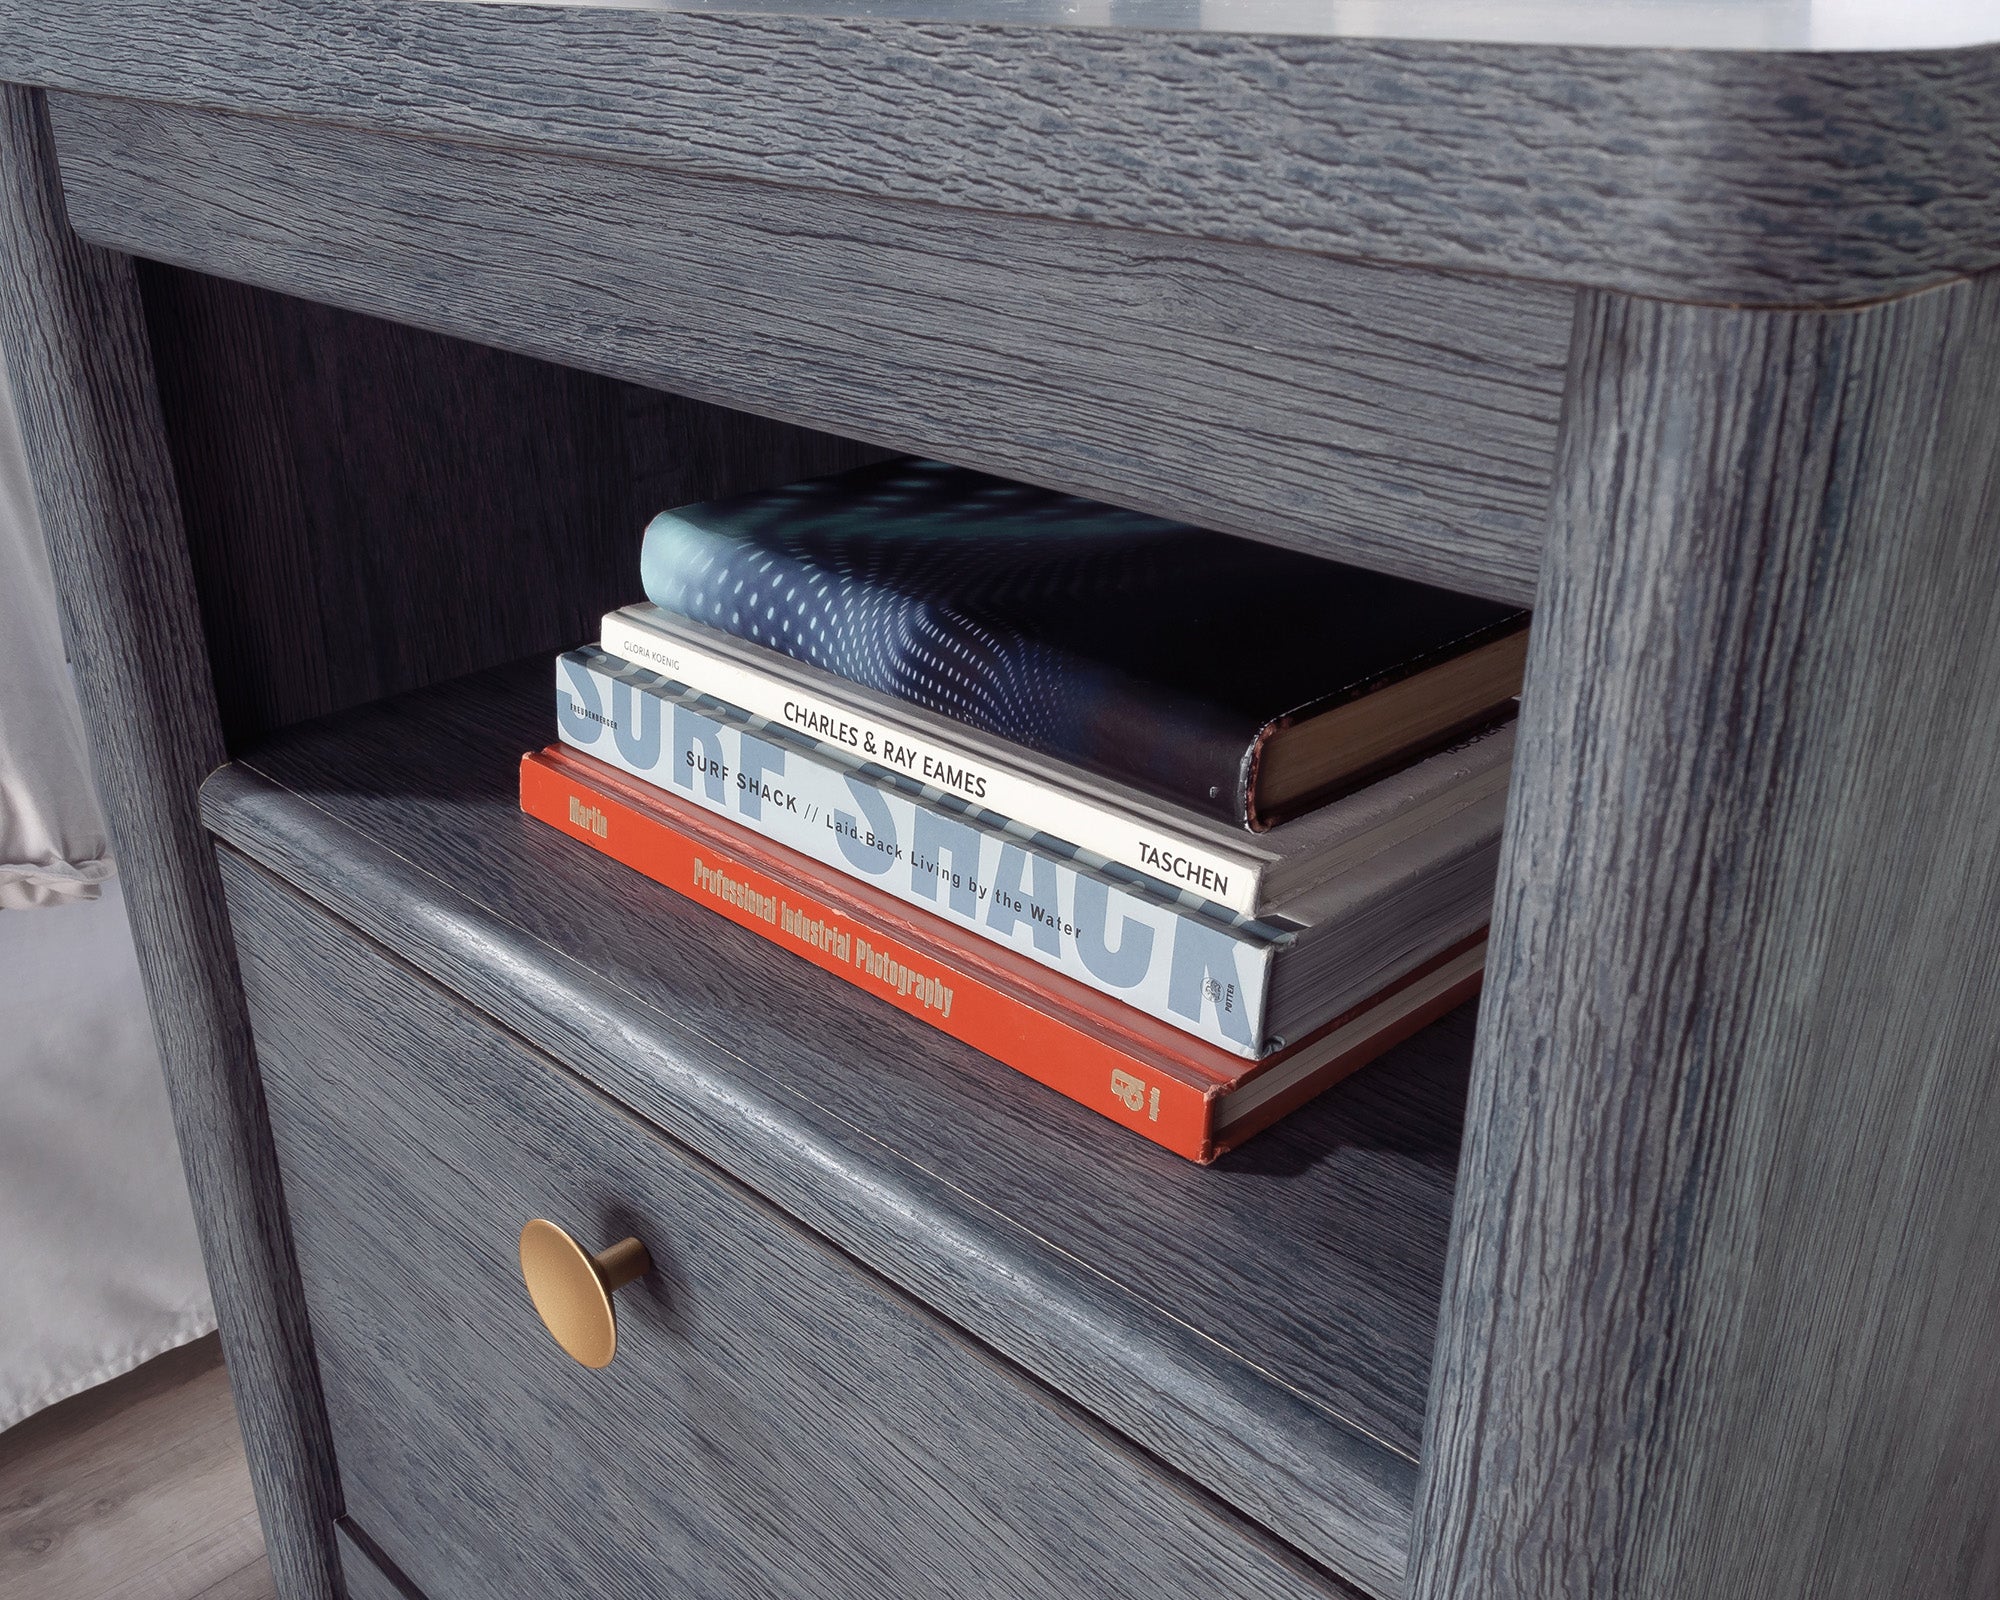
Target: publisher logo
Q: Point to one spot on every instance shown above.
(1132, 1090)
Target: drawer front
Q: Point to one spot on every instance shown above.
(778, 1421)
(366, 1580)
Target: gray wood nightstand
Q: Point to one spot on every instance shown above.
(353, 343)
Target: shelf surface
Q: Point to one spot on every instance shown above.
(1265, 1325)
(1760, 153)
(1614, 24)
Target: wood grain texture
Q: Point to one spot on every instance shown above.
(1764, 178)
(777, 1423)
(1265, 1326)
(1721, 1309)
(253, 1582)
(370, 508)
(1404, 421)
(134, 1490)
(361, 1563)
(90, 419)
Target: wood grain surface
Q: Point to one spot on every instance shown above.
(370, 508)
(1265, 1325)
(83, 387)
(362, 1564)
(133, 1490)
(1402, 420)
(1721, 1313)
(777, 1422)
(1753, 177)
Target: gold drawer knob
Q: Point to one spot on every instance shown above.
(572, 1288)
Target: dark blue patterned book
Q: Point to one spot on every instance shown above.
(1238, 679)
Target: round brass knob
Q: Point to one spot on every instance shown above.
(572, 1288)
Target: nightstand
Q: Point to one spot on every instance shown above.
(353, 345)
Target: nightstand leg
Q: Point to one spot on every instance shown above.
(1724, 1298)
(83, 381)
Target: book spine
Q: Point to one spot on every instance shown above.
(1105, 831)
(1130, 1090)
(1200, 974)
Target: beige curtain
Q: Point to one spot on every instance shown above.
(52, 844)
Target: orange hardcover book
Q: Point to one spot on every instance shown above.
(1195, 1100)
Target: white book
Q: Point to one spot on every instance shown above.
(1244, 984)
(1105, 823)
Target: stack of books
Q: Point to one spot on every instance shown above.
(1182, 826)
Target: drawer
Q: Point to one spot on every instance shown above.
(778, 1420)
(362, 1573)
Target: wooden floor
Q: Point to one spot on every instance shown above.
(135, 1490)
